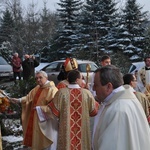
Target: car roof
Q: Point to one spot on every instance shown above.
(142, 63)
(79, 61)
(40, 66)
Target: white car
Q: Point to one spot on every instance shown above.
(136, 66)
(41, 66)
(5, 69)
(53, 69)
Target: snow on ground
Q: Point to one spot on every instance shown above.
(12, 138)
(13, 141)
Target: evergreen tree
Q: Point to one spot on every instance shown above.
(48, 24)
(6, 28)
(96, 22)
(31, 31)
(17, 42)
(131, 35)
(66, 35)
(6, 34)
(146, 50)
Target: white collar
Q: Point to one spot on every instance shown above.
(46, 82)
(133, 90)
(74, 86)
(120, 88)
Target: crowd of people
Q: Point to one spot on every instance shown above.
(58, 117)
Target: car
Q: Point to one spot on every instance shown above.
(41, 66)
(5, 69)
(136, 66)
(53, 69)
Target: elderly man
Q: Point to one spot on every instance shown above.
(36, 130)
(16, 64)
(121, 123)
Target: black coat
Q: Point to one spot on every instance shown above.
(28, 66)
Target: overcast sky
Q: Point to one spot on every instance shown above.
(52, 4)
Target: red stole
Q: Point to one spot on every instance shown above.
(29, 131)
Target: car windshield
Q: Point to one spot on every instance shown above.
(54, 67)
(132, 68)
(3, 61)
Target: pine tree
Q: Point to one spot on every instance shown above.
(132, 31)
(31, 30)
(66, 35)
(6, 34)
(146, 51)
(17, 15)
(48, 24)
(98, 18)
(7, 25)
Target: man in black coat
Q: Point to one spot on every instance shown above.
(28, 66)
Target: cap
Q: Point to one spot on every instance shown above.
(70, 64)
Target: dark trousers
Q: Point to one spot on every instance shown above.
(17, 74)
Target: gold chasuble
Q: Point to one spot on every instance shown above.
(32, 134)
(74, 107)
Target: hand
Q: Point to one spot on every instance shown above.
(14, 100)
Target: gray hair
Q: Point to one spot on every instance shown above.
(112, 74)
(42, 72)
(15, 54)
